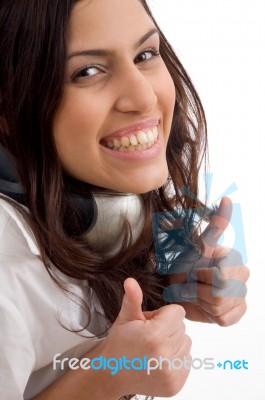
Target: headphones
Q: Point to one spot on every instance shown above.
(10, 186)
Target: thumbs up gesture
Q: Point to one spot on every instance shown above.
(215, 289)
(151, 334)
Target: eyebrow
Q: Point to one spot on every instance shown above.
(102, 52)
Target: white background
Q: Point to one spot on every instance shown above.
(222, 46)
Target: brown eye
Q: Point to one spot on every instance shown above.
(147, 55)
(89, 72)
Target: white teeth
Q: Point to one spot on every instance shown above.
(110, 145)
(136, 142)
(150, 135)
(133, 140)
(125, 141)
(116, 143)
(155, 132)
(131, 148)
(142, 137)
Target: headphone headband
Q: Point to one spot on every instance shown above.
(10, 186)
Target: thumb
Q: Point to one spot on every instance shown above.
(218, 224)
(131, 308)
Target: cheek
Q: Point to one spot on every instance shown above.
(167, 93)
(74, 115)
(77, 122)
(170, 94)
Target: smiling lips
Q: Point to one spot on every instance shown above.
(137, 141)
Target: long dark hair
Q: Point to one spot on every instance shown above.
(32, 73)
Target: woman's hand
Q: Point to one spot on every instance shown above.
(154, 334)
(216, 289)
(134, 334)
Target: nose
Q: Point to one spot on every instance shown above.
(135, 91)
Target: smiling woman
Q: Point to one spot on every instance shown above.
(104, 129)
(118, 89)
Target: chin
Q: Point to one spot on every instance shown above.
(145, 186)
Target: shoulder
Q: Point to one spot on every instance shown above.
(16, 238)
(21, 269)
(25, 281)
(23, 276)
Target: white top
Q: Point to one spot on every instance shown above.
(31, 309)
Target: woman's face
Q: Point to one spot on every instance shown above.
(113, 124)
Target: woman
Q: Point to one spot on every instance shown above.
(95, 111)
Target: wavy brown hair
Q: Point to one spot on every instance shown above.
(33, 37)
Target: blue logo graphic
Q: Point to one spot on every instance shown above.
(178, 254)
(233, 365)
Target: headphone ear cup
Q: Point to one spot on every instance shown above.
(83, 217)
